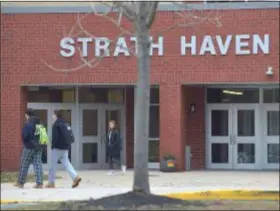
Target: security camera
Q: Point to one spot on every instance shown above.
(269, 71)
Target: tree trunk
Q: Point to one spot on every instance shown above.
(142, 105)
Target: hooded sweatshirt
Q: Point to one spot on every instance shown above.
(28, 132)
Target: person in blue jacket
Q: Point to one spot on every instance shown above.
(31, 152)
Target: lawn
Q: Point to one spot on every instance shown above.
(11, 177)
(133, 201)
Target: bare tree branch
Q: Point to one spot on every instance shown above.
(128, 10)
(152, 13)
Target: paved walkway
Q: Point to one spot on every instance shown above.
(97, 184)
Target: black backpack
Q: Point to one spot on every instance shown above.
(66, 133)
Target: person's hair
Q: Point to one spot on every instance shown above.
(30, 112)
(114, 123)
(58, 113)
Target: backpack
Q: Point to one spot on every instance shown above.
(41, 135)
(66, 133)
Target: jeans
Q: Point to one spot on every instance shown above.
(29, 156)
(62, 155)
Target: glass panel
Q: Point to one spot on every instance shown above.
(219, 153)
(273, 123)
(51, 94)
(154, 151)
(67, 116)
(246, 122)
(273, 153)
(246, 153)
(154, 122)
(90, 122)
(154, 95)
(271, 95)
(101, 95)
(232, 95)
(90, 152)
(219, 122)
(43, 116)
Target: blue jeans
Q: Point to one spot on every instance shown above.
(62, 155)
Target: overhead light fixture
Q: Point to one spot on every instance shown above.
(232, 92)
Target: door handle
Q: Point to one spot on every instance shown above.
(230, 139)
(234, 139)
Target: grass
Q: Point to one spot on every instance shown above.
(12, 177)
(136, 201)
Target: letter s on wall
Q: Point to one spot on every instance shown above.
(67, 48)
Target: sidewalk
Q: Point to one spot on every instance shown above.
(97, 184)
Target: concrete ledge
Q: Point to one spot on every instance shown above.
(206, 195)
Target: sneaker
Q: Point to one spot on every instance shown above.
(76, 182)
(110, 173)
(17, 185)
(38, 186)
(123, 168)
(49, 185)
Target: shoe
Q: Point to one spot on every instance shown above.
(49, 185)
(17, 185)
(76, 182)
(110, 173)
(123, 168)
(38, 186)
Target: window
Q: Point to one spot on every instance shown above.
(154, 126)
(232, 95)
(271, 95)
(51, 94)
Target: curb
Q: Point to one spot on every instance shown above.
(227, 195)
(207, 195)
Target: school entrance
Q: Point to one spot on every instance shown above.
(88, 116)
(242, 128)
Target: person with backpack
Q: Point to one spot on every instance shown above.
(33, 142)
(62, 138)
(114, 148)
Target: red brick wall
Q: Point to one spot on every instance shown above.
(27, 39)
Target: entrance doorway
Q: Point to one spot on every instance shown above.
(94, 120)
(233, 136)
(45, 112)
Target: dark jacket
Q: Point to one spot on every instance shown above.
(57, 143)
(28, 133)
(113, 144)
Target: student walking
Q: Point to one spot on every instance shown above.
(114, 148)
(32, 151)
(62, 138)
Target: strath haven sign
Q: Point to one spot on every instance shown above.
(242, 44)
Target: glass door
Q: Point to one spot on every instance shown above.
(219, 131)
(271, 136)
(69, 115)
(42, 111)
(90, 153)
(245, 136)
(115, 113)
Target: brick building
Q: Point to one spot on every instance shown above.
(214, 89)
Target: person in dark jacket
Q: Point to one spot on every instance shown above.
(60, 152)
(31, 153)
(114, 147)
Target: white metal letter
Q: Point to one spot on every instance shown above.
(121, 47)
(68, 49)
(84, 41)
(223, 47)
(158, 45)
(262, 44)
(207, 45)
(191, 45)
(240, 42)
(102, 43)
